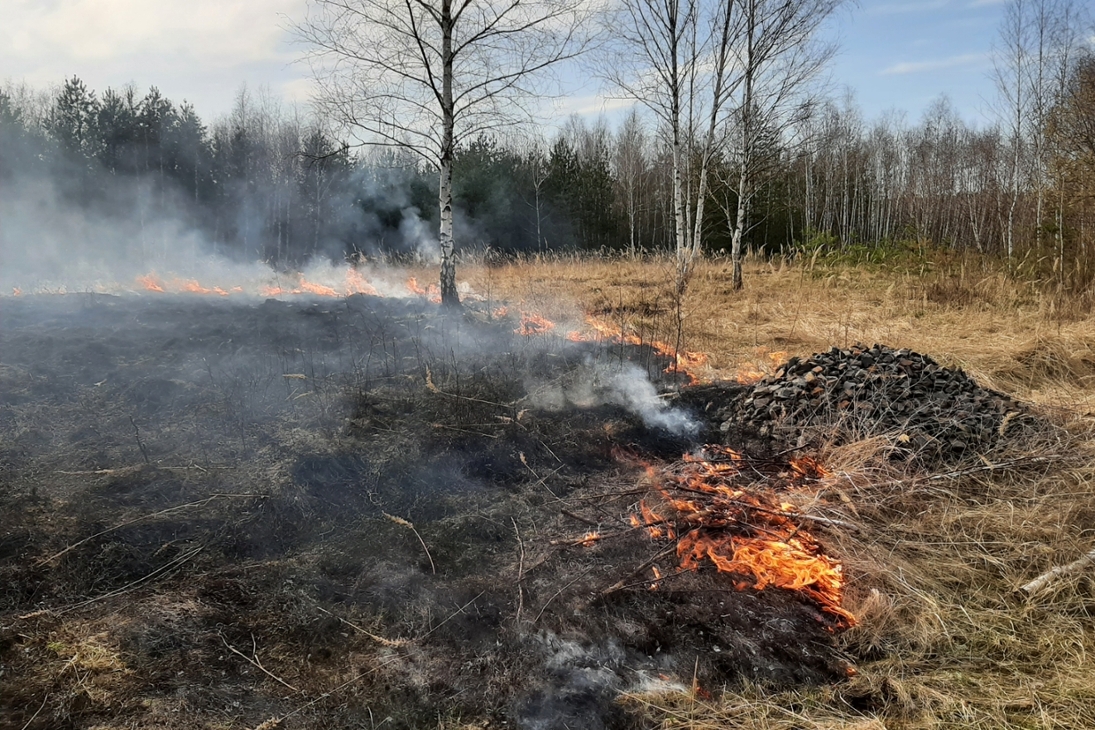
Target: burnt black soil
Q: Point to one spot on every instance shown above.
(214, 513)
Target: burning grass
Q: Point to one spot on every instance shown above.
(933, 564)
(321, 513)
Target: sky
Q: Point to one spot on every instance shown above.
(894, 54)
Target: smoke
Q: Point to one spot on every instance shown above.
(624, 384)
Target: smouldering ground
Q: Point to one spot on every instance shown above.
(263, 421)
(944, 638)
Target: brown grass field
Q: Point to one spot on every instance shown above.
(944, 639)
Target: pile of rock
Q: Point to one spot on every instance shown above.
(859, 392)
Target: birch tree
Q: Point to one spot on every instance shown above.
(425, 74)
(778, 60)
(673, 57)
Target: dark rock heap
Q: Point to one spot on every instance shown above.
(855, 393)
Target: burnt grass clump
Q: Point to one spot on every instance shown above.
(216, 513)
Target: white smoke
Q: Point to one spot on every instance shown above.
(623, 384)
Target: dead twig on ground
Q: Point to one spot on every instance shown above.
(571, 515)
(1054, 573)
(451, 616)
(255, 660)
(622, 583)
(140, 444)
(559, 592)
(520, 573)
(135, 520)
(177, 562)
(378, 639)
(276, 721)
(36, 712)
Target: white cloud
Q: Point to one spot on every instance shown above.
(916, 6)
(204, 32)
(199, 49)
(939, 64)
(593, 104)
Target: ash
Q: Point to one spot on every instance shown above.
(363, 496)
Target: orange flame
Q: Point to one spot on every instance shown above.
(151, 282)
(534, 324)
(683, 361)
(742, 532)
(764, 364)
(590, 538)
(431, 292)
(16, 291)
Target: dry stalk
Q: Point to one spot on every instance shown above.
(410, 526)
(254, 659)
(36, 712)
(520, 574)
(198, 503)
(378, 639)
(177, 562)
(274, 722)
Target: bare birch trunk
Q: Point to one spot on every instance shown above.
(449, 296)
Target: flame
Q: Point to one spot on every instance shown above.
(683, 361)
(590, 538)
(358, 284)
(499, 312)
(151, 282)
(354, 283)
(764, 364)
(742, 531)
(16, 291)
(195, 288)
(534, 324)
(431, 292)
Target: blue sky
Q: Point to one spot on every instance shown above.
(899, 54)
(905, 53)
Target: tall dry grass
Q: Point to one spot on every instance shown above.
(933, 566)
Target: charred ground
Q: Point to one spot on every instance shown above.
(215, 513)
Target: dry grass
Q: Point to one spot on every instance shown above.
(944, 640)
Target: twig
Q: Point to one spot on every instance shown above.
(40, 708)
(124, 589)
(767, 510)
(410, 526)
(120, 525)
(571, 515)
(520, 574)
(274, 722)
(653, 581)
(374, 637)
(557, 593)
(1050, 575)
(622, 583)
(256, 661)
(137, 431)
(451, 616)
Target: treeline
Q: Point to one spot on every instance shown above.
(267, 182)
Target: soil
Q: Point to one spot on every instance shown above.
(215, 513)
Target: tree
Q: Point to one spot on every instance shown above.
(424, 74)
(72, 120)
(778, 59)
(673, 58)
